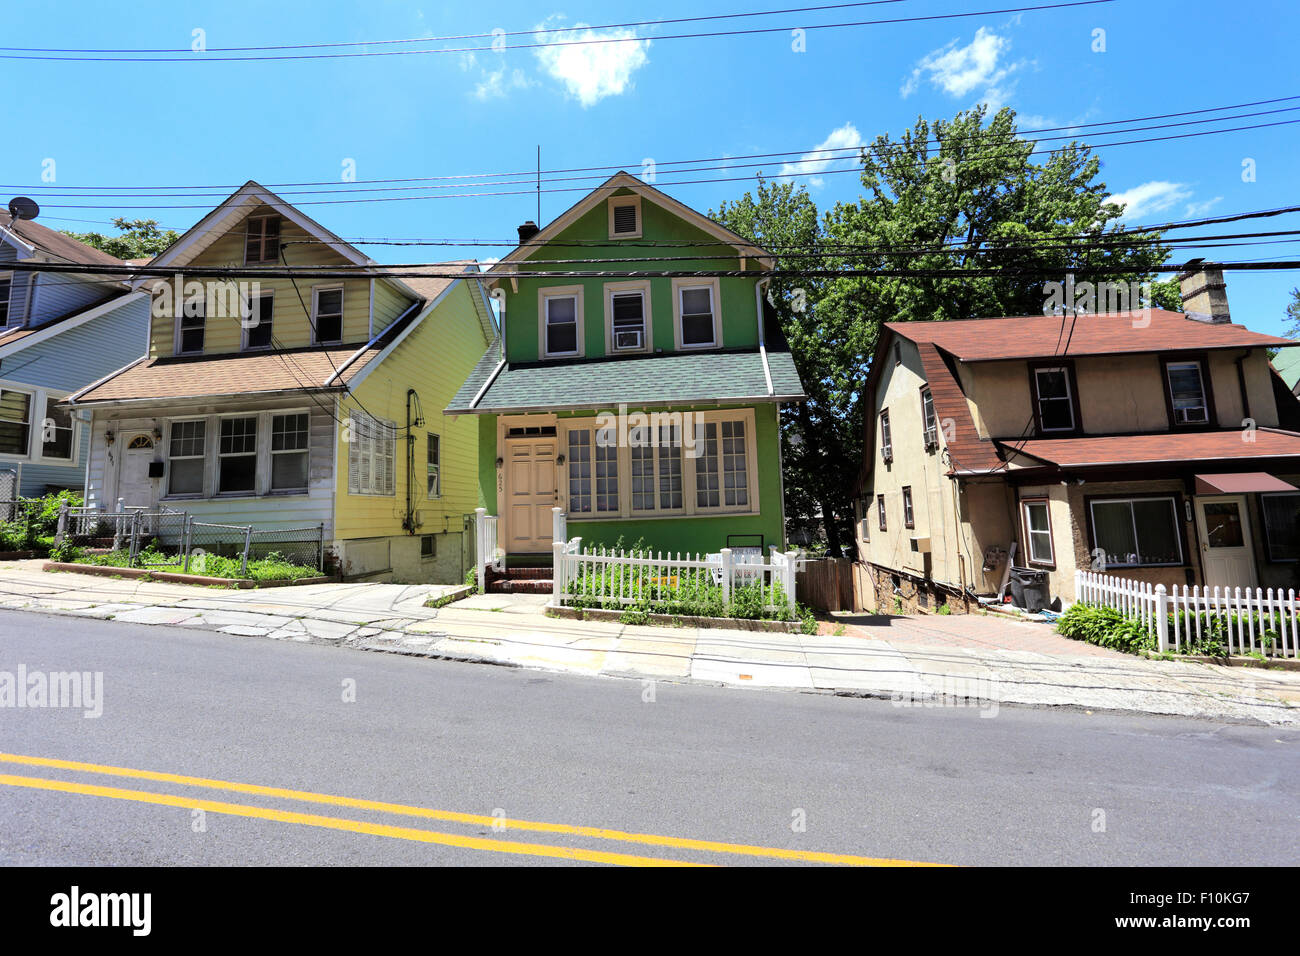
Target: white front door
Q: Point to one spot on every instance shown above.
(1227, 553)
(530, 494)
(134, 486)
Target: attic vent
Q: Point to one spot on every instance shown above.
(624, 220)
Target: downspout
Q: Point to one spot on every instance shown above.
(762, 345)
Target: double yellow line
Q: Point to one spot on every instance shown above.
(405, 833)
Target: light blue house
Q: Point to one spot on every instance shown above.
(58, 333)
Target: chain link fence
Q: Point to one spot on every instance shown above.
(174, 541)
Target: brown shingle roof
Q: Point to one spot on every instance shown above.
(1040, 336)
(965, 447)
(56, 243)
(1164, 447)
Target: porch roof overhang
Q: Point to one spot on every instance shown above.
(1246, 482)
(1163, 448)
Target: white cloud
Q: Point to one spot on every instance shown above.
(496, 84)
(1152, 197)
(845, 137)
(957, 70)
(592, 71)
(1196, 209)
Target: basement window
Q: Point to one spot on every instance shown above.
(428, 546)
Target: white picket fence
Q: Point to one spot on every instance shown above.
(1261, 621)
(604, 574)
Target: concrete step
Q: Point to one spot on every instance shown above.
(521, 586)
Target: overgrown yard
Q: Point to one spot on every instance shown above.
(273, 567)
(33, 522)
(1208, 636)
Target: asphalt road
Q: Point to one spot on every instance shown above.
(737, 767)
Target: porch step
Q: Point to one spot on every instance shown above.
(524, 574)
(521, 586)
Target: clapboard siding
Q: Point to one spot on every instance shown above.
(58, 294)
(85, 353)
(20, 281)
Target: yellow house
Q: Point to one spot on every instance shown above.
(292, 401)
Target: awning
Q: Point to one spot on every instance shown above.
(1241, 483)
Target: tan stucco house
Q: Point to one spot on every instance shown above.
(1151, 445)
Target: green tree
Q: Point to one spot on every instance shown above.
(139, 239)
(960, 195)
(1293, 315)
(1167, 294)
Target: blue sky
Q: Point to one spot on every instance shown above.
(220, 123)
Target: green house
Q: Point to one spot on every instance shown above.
(645, 407)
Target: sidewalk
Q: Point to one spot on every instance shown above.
(913, 662)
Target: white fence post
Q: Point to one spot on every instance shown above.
(557, 572)
(726, 576)
(791, 564)
(558, 524)
(480, 545)
(1162, 619)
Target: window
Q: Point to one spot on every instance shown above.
(561, 333)
(593, 470)
(190, 326)
(237, 456)
(928, 420)
(628, 326)
(327, 318)
(289, 441)
(862, 511)
(372, 451)
(262, 240)
(428, 546)
(909, 518)
(1137, 532)
(721, 475)
(433, 466)
(15, 422)
(6, 290)
(260, 321)
(579, 459)
(880, 511)
(1187, 397)
(606, 470)
(1038, 531)
(1282, 526)
(625, 217)
(886, 438)
(185, 458)
(1054, 398)
(56, 432)
(697, 326)
(656, 469)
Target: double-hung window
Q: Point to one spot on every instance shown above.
(1137, 532)
(260, 321)
(561, 318)
(909, 517)
(15, 422)
(886, 438)
(433, 466)
(372, 452)
(6, 291)
(289, 451)
(696, 311)
(1187, 394)
(185, 458)
(56, 432)
(928, 420)
(1038, 531)
(237, 456)
(1282, 525)
(721, 472)
(262, 240)
(1054, 398)
(628, 326)
(327, 314)
(880, 512)
(190, 326)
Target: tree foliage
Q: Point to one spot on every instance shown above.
(963, 194)
(139, 239)
(1293, 315)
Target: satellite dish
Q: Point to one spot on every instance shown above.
(20, 207)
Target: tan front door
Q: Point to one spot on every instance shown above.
(1227, 553)
(530, 494)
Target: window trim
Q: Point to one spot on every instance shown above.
(178, 327)
(1025, 502)
(1071, 385)
(244, 330)
(271, 452)
(929, 433)
(7, 276)
(880, 512)
(614, 202)
(73, 426)
(316, 290)
(886, 436)
(909, 509)
(263, 217)
(560, 292)
(167, 458)
(359, 493)
(1188, 358)
(714, 286)
(612, 289)
(31, 394)
(1176, 501)
(257, 456)
(1263, 520)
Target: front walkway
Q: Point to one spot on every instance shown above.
(978, 662)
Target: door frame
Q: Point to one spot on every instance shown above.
(504, 424)
(1248, 537)
(126, 436)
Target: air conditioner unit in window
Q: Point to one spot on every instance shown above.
(1192, 415)
(931, 438)
(920, 545)
(627, 339)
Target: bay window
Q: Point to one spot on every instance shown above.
(1137, 532)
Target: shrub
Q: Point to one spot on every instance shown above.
(1104, 627)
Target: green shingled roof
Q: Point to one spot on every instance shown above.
(1287, 364)
(671, 379)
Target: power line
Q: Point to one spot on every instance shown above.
(198, 57)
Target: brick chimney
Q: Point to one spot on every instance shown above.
(1204, 293)
(527, 231)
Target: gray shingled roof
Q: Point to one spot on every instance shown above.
(671, 379)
